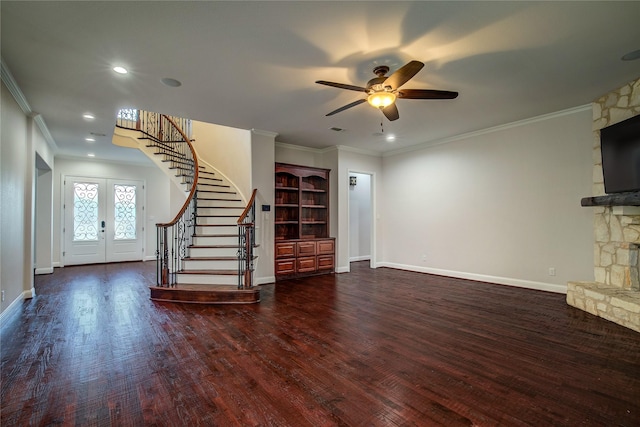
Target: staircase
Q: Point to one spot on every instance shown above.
(203, 255)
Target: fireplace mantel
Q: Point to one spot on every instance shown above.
(631, 198)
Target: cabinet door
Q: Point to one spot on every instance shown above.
(325, 262)
(285, 250)
(285, 266)
(306, 264)
(325, 247)
(306, 248)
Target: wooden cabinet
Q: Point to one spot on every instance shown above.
(303, 245)
(304, 257)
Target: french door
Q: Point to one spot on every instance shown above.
(103, 220)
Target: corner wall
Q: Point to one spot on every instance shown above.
(501, 206)
(23, 151)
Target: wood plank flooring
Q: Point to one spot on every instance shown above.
(367, 348)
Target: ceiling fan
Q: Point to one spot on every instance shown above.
(382, 91)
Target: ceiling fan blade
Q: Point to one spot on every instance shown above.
(426, 94)
(342, 86)
(353, 104)
(391, 112)
(403, 74)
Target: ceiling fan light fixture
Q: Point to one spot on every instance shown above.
(381, 99)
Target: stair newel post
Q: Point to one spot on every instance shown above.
(165, 256)
(246, 241)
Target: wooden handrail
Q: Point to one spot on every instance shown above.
(248, 208)
(194, 184)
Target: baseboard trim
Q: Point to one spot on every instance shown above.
(149, 258)
(12, 309)
(43, 270)
(265, 280)
(343, 269)
(507, 281)
(360, 258)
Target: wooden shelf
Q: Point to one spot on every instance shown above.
(302, 221)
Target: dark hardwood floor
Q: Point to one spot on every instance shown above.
(367, 348)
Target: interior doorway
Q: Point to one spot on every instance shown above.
(361, 224)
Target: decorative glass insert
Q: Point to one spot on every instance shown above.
(128, 114)
(124, 211)
(85, 211)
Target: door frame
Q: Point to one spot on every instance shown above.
(142, 221)
(374, 218)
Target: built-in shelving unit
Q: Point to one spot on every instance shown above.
(303, 245)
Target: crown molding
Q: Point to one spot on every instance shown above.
(493, 129)
(12, 86)
(264, 133)
(359, 151)
(299, 147)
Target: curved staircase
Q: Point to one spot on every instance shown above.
(202, 255)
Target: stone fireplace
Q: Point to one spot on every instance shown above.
(615, 294)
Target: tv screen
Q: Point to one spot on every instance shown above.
(620, 145)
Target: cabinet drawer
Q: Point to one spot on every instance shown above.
(285, 266)
(285, 250)
(306, 264)
(325, 262)
(325, 247)
(306, 248)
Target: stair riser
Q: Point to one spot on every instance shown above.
(207, 279)
(188, 265)
(226, 229)
(211, 252)
(220, 210)
(209, 241)
(213, 206)
(206, 197)
(217, 220)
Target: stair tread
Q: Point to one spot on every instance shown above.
(212, 246)
(211, 272)
(203, 287)
(214, 191)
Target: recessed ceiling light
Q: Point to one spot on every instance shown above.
(90, 139)
(171, 82)
(120, 70)
(88, 116)
(391, 138)
(91, 155)
(631, 56)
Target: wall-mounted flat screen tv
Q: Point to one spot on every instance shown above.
(621, 156)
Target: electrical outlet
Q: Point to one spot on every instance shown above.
(2, 295)
(552, 271)
(424, 258)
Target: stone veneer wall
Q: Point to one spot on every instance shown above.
(615, 295)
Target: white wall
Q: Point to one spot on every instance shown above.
(502, 206)
(14, 193)
(228, 150)
(160, 194)
(262, 179)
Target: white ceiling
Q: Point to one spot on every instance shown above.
(252, 65)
